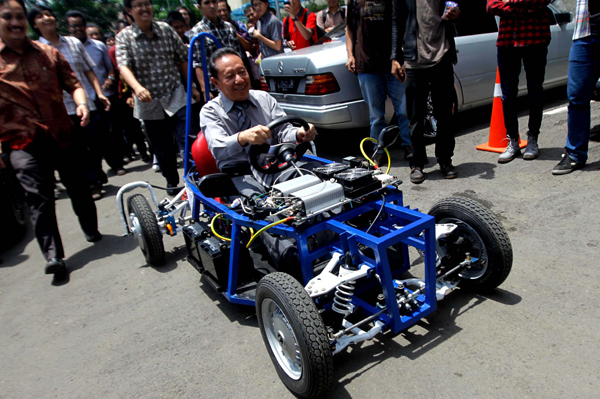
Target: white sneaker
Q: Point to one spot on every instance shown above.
(512, 150)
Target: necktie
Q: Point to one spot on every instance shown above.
(244, 122)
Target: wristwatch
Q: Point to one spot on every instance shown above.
(112, 77)
(295, 18)
(83, 104)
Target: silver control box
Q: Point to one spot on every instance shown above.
(297, 184)
(320, 196)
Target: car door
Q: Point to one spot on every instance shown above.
(477, 32)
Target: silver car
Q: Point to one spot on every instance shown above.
(313, 82)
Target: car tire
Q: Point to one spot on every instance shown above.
(294, 335)
(146, 230)
(489, 241)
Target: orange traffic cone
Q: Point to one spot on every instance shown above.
(498, 141)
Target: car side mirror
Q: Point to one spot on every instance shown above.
(388, 137)
(217, 185)
(563, 18)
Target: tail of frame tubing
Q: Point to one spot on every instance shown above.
(188, 112)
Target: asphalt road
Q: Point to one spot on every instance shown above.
(121, 329)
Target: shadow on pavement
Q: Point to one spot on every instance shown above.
(108, 246)
(483, 170)
(438, 328)
(241, 314)
(172, 258)
(14, 255)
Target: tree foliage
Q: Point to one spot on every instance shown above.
(105, 12)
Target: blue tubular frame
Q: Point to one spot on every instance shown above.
(188, 111)
(398, 225)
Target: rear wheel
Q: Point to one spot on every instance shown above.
(479, 233)
(145, 230)
(294, 335)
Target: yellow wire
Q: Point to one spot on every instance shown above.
(369, 159)
(212, 228)
(266, 228)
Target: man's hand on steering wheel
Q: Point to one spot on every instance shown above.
(256, 135)
(304, 136)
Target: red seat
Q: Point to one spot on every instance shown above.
(203, 158)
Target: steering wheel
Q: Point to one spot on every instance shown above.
(274, 159)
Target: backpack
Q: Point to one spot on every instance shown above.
(286, 22)
(321, 32)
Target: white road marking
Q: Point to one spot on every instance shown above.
(557, 110)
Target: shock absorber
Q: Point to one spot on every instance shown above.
(342, 297)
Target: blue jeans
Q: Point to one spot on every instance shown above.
(509, 66)
(375, 88)
(584, 71)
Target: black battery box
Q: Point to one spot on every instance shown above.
(210, 256)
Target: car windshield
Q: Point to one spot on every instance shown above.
(335, 33)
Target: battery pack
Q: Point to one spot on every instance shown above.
(210, 256)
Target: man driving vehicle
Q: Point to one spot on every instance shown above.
(237, 119)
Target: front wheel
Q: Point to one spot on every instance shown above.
(145, 230)
(479, 233)
(294, 335)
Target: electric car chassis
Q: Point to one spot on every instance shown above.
(350, 279)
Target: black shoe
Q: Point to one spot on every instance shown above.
(120, 172)
(172, 189)
(95, 236)
(102, 178)
(449, 171)
(145, 158)
(566, 166)
(416, 175)
(55, 266)
(96, 193)
(407, 152)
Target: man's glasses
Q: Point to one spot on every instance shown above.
(76, 26)
(141, 5)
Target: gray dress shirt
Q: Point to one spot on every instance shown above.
(272, 28)
(219, 123)
(154, 62)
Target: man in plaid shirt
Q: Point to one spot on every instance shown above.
(524, 35)
(584, 71)
(223, 31)
(152, 60)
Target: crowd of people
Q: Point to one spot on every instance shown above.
(92, 96)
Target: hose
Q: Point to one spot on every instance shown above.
(362, 150)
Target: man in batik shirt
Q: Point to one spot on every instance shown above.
(152, 60)
(35, 127)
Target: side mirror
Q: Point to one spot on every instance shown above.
(388, 137)
(563, 18)
(217, 185)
